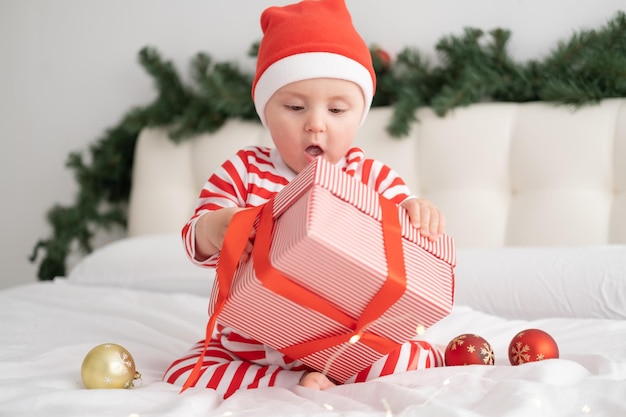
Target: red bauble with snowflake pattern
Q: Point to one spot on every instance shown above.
(532, 345)
(468, 349)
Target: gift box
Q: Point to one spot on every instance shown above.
(338, 276)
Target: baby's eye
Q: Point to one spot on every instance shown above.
(294, 107)
(336, 111)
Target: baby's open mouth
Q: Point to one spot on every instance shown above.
(314, 150)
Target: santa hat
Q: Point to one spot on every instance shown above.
(310, 39)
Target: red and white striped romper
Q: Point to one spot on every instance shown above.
(234, 361)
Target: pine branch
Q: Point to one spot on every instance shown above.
(173, 96)
(411, 85)
(222, 91)
(589, 67)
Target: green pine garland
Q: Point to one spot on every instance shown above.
(589, 67)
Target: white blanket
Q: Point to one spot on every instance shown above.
(46, 329)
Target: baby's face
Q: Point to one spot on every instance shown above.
(314, 117)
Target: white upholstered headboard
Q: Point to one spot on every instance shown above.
(505, 174)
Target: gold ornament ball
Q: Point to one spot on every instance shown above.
(109, 366)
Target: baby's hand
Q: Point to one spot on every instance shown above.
(426, 217)
(211, 230)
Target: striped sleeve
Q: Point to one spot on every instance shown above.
(248, 179)
(383, 180)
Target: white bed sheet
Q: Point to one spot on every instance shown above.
(46, 329)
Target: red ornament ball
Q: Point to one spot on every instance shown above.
(381, 57)
(468, 349)
(532, 345)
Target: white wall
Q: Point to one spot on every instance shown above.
(68, 70)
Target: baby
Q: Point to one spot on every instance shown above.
(313, 89)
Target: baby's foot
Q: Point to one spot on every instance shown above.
(316, 380)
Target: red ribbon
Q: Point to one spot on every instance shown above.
(234, 243)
